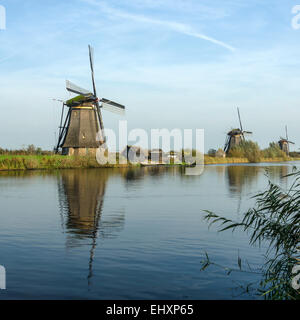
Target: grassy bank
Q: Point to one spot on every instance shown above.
(48, 162)
(213, 160)
(35, 162)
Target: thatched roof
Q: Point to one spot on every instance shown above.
(283, 141)
(235, 132)
(78, 100)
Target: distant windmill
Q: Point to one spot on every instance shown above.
(235, 136)
(79, 130)
(284, 143)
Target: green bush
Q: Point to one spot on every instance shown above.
(274, 151)
(246, 149)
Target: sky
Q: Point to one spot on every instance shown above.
(174, 63)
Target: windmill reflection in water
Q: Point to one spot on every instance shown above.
(81, 200)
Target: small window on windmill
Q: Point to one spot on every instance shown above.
(83, 136)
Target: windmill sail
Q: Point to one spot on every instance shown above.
(110, 108)
(91, 55)
(76, 89)
(241, 126)
(113, 107)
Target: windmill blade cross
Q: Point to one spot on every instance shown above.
(71, 87)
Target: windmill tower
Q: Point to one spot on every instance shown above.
(284, 143)
(81, 131)
(235, 136)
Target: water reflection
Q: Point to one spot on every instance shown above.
(239, 177)
(139, 173)
(279, 173)
(162, 240)
(244, 176)
(81, 199)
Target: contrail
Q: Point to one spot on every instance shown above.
(175, 26)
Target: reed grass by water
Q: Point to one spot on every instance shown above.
(273, 220)
(48, 162)
(35, 162)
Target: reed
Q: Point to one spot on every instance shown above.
(274, 221)
(10, 162)
(48, 162)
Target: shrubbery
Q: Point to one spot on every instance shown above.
(246, 149)
(26, 151)
(274, 151)
(251, 151)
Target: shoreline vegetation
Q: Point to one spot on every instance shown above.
(56, 162)
(272, 224)
(33, 158)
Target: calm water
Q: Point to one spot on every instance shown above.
(126, 234)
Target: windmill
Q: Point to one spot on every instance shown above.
(284, 143)
(235, 136)
(81, 131)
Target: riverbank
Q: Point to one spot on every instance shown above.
(212, 160)
(35, 162)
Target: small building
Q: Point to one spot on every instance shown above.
(211, 152)
(157, 156)
(220, 154)
(135, 154)
(173, 157)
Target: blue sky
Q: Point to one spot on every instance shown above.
(174, 63)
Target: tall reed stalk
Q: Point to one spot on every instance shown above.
(275, 220)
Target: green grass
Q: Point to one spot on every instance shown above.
(48, 162)
(11, 162)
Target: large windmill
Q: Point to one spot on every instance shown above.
(235, 136)
(284, 143)
(81, 131)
